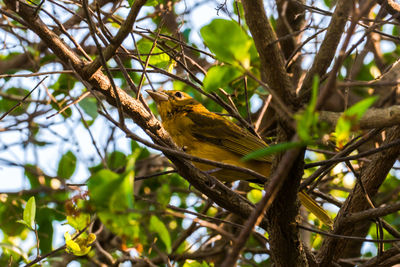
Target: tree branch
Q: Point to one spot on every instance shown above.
(326, 51)
(125, 29)
(372, 213)
(373, 118)
(371, 177)
(273, 70)
(274, 186)
(219, 193)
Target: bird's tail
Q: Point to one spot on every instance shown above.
(315, 208)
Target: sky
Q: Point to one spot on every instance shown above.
(12, 178)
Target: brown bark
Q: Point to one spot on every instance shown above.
(326, 52)
(372, 177)
(273, 70)
(218, 192)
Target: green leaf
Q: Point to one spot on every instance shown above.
(24, 223)
(256, 186)
(89, 105)
(272, 150)
(156, 225)
(141, 152)
(10, 212)
(81, 245)
(158, 57)
(359, 109)
(254, 195)
(72, 246)
(116, 160)
(80, 221)
(220, 77)
(44, 219)
(125, 225)
(122, 197)
(152, 3)
(110, 191)
(12, 253)
(330, 3)
(101, 186)
(314, 94)
(35, 2)
(348, 122)
(32, 172)
(6, 104)
(64, 83)
(196, 264)
(228, 41)
(30, 212)
(238, 6)
(67, 165)
(66, 113)
(164, 194)
(186, 34)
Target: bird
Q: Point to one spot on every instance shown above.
(202, 133)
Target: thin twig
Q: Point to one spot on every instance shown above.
(103, 61)
(352, 157)
(22, 100)
(185, 155)
(144, 177)
(349, 237)
(76, 101)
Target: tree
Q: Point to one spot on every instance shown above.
(328, 111)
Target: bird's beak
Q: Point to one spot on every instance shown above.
(157, 96)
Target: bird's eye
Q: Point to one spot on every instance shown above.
(178, 95)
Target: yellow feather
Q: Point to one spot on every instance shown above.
(204, 134)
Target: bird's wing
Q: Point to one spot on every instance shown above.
(212, 128)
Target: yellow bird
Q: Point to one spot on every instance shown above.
(204, 134)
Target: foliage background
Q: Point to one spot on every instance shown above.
(84, 182)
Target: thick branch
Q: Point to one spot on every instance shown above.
(372, 177)
(373, 118)
(326, 51)
(292, 255)
(25, 60)
(373, 213)
(284, 237)
(273, 70)
(391, 6)
(218, 192)
(125, 29)
(288, 28)
(380, 259)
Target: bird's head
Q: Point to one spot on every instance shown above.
(172, 102)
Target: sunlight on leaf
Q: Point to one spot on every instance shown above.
(159, 227)
(348, 122)
(270, 150)
(254, 195)
(30, 212)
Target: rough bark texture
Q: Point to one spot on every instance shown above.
(286, 247)
(284, 240)
(326, 52)
(372, 177)
(280, 221)
(289, 24)
(99, 82)
(273, 70)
